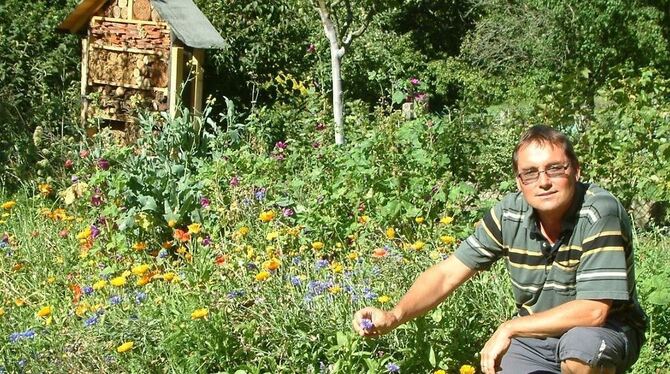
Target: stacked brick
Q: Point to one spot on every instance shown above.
(128, 60)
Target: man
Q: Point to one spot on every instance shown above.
(568, 249)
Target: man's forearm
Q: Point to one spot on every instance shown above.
(556, 321)
(431, 288)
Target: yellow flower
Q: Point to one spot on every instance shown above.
(294, 231)
(353, 256)
(169, 276)
(84, 234)
(81, 309)
(336, 267)
(118, 281)
(51, 280)
(172, 223)
(144, 280)
(440, 371)
(267, 216)
(99, 284)
(384, 299)
(417, 245)
(262, 276)
(466, 369)
(446, 220)
(317, 246)
(335, 289)
(20, 302)
(243, 231)
(272, 264)
(125, 347)
(7, 205)
(140, 269)
(125, 274)
(272, 235)
(199, 313)
(45, 311)
(390, 233)
(2, 312)
(45, 189)
(140, 246)
(363, 219)
(194, 228)
(447, 239)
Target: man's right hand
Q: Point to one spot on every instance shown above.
(371, 322)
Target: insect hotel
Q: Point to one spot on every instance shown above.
(140, 55)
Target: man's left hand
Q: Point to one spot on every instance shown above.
(494, 349)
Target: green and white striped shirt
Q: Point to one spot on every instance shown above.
(593, 259)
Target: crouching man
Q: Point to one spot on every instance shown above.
(568, 248)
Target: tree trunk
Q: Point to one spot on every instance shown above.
(338, 104)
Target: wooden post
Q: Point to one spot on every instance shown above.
(84, 79)
(196, 87)
(130, 9)
(176, 78)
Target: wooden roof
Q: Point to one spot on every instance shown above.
(185, 19)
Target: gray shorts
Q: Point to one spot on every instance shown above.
(607, 346)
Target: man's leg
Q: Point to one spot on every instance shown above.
(609, 349)
(530, 355)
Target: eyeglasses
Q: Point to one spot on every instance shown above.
(553, 171)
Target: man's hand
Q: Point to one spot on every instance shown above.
(369, 322)
(494, 349)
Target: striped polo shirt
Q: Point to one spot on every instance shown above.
(593, 258)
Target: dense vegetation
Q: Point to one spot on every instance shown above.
(247, 243)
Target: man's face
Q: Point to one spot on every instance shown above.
(551, 197)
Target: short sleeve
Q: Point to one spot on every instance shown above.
(484, 247)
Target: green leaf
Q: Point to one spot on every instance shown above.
(431, 357)
(148, 203)
(398, 97)
(342, 340)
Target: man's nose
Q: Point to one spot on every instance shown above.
(544, 181)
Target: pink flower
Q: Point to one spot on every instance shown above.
(204, 202)
(84, 153)
(281, 145)
(414, 81)
(320, 126)
(311, 48)
(103, 164)
(234, 181)
(69, 164)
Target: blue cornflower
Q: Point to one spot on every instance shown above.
(320, 264)
(115, 300)
(252, 266)
(29, 334)
(235, 294)
(260, 194)
(139, 297)
(162, 253)
(392, 367)
(295, 280)
(14, 337)
(296, 260)
(368, 294)
(87, 290)
(91, 321)
(366, 324)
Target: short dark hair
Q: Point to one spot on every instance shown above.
(543, 134)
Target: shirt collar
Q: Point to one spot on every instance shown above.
(530, 220)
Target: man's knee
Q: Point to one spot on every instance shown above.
(575, 366)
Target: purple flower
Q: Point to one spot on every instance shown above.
(320, 264)
(15, 337)
(366, 324)
(296, 260)
(96, 200)
(103, 164)
(420, 96)
(281, 145)
(311, 48)
(115, 300)
(87, 290)
(260, 194)
(206, 241)
(95, 231)
(392, 367)
(74, 179)
(295, 280)
(204, 202)
(234, 181)
(287, 212)
(414, 81)
(162, 253)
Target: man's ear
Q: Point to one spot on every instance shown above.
(578, 174)
(518, 183)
